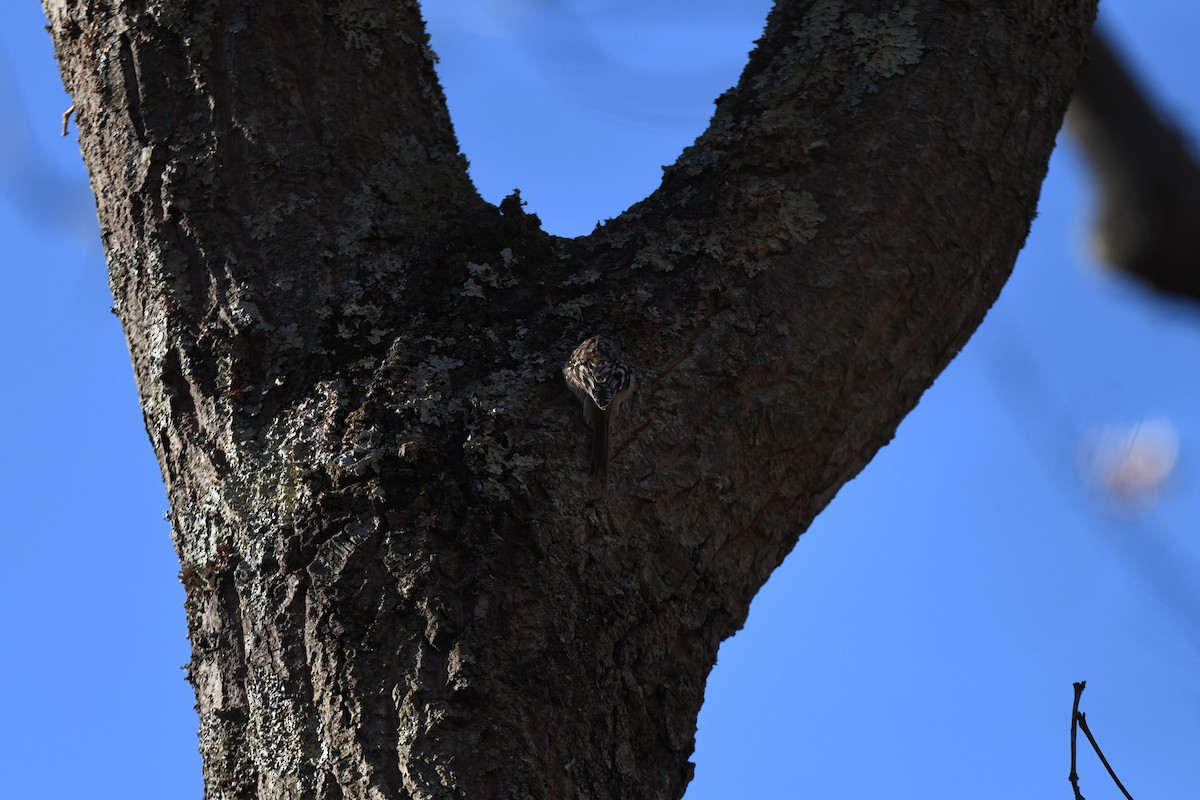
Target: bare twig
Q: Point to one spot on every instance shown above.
(1083, 724)
(67, 118)
(1074, 776)
(1079, 720)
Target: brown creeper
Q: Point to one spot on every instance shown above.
(601, 378)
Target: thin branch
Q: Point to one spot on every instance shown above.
(1075, 717)
(1079, 720)
(1083, 724)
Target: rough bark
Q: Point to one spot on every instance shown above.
(1148, 223)
(399, 581)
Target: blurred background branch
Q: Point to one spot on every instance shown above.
(1148, 220)
(37, 188)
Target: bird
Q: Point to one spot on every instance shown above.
(601, 378)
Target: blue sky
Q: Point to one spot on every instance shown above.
(922, 638)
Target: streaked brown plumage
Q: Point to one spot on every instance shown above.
(602, 379)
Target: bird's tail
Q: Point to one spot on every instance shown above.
(601, 430)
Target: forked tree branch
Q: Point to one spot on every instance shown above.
(1147, 178)
(1079, 721)
(399, 581)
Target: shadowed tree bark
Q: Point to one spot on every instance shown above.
(400, 582)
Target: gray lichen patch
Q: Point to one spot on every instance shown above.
(277, 731)
(773, 219)
(481, 277)
(783, 220)
(224, 745)
(361, 23)
(492, 437)
(841, 55)
(264, 222)
(886, 42)
(318, 447)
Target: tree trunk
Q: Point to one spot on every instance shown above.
(400, 581)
